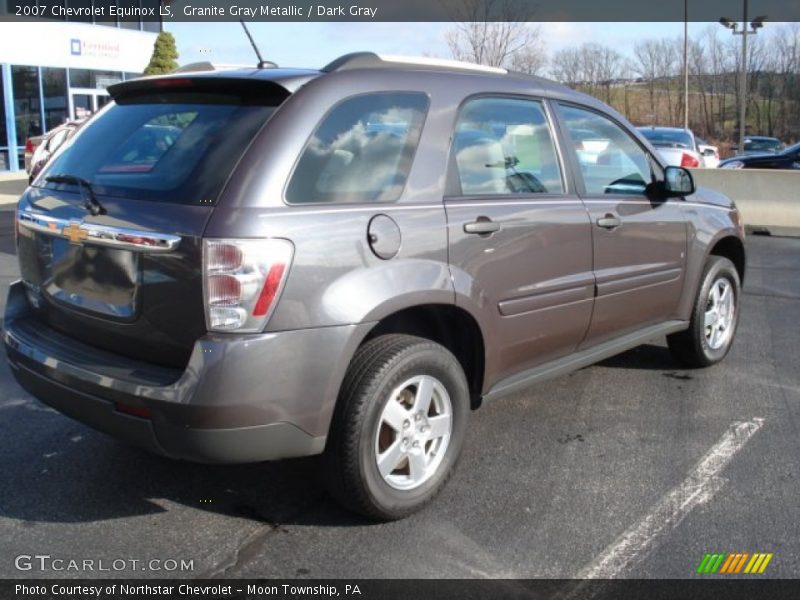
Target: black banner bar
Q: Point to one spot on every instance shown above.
(541, 11)
(730, 588)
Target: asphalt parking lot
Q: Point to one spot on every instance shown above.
(631, 468)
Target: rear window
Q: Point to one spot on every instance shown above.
(762, 145)
(362, 150)
(177, 148)
(668, 139)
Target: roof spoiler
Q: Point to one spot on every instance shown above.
(197, 82)
(371, 60)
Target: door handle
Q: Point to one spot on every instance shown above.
(609, 221)
(482, 226)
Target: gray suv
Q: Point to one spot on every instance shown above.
(238, 266)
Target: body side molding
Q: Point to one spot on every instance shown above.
(581, 359)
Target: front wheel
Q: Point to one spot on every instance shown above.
(398, 428)
(714, 317)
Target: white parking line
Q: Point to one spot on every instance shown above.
(698, 488)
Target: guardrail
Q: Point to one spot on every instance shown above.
(768, 199)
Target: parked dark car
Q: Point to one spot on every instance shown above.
(346, 262)
(760, 144)
(785, 159)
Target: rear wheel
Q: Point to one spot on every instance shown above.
(714, 317)
(398, 428)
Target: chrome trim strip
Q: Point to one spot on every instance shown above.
(101, 235)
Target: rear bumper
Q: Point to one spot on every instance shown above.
(241, 398)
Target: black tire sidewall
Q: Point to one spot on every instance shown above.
(718, 267)
(420, 359)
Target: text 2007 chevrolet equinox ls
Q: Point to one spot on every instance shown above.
(248, 265)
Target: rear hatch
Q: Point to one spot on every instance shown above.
(109, 241)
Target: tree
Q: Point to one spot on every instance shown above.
(566, 67)
(531, 60)
(669, 69)
(610, 66)
(646, 53)
(165, 55)
(591, 67)
(496, 33)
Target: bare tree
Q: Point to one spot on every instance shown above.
(701, 118)
(786, 73)
(668, 63)
(646, 66)
(496, 33)
(609, 68)
(531, 60)
(566, 67)
(720, 71)
(655, 97)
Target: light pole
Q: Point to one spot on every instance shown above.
(755, 24)
(686, 64)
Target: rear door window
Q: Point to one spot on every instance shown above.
(504, 146)
(177, 148)
(362, 150)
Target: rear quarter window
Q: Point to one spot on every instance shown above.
(361, 151)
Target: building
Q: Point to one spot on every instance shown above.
(54, 70)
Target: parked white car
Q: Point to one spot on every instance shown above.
(709, 153)
(676, 146)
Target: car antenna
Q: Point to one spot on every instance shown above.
(262, 64)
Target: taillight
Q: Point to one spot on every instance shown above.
(242, 280)
(687, 160)
(29, 146)
(173, 82)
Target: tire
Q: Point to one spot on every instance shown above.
(705, 343)
(380, 415)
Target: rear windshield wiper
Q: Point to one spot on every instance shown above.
(92, 204)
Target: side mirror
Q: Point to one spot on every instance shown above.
(678, 182)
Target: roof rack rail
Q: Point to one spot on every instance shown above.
(371, 60)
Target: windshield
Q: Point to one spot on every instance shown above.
(792, 149)
(668, 138)
(177, 148)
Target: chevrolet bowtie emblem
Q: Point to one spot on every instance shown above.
(74, 233)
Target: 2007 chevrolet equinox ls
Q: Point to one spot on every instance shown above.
(247, 265)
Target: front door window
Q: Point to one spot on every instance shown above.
(611, 162)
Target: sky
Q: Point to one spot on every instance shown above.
(315, 44)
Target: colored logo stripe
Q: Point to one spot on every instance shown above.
(758, 563)
(734, 563)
